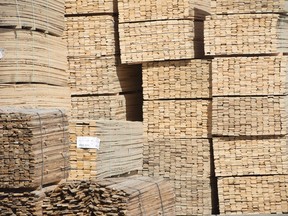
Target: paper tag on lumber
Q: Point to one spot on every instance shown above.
(1, 53)
(88, 142)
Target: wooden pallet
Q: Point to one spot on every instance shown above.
(34, 147)
(177, 79)
(249, 116)
(246, 34)
(247, 6)
(177, 119)
(32, 57)
(160, 40)
(43, 15)
(103, 75)
(241, 76)
(253, 194)
(186, 163)
(137, 11)
(120, 152)
(250, 156)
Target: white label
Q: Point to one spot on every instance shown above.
(1, 53)
(88, 142)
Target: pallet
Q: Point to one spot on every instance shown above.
(177, 79)
(245, 34)
(32, 57)
(160, 40)
(46, 16)
(242, 76)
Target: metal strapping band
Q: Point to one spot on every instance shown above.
(42, 152)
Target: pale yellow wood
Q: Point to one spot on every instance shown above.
(90, 6)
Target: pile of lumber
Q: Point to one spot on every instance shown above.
(242, 76)
(252, 194)
(120, 196)
(245, 34)
(177, 79)
(46, 16)
(78, 7)
(120, 151)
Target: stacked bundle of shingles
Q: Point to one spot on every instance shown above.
(177, 104)
(249, 114)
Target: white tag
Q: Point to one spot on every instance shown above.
(1, 53)
(88, 142)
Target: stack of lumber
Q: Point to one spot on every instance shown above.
(46, 16)
(177, 79)
(120, 196)
(34, 147)
(245, 34)
(120, 152)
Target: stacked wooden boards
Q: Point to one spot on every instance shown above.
(116, 196)
(249, 111)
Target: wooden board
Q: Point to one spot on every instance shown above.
(177, 119)
(247, 6)
(186, 163)
(107, 107)
(79, 7)
(160, 40)
(253, 194)
(262, 75)
(137, 10)
(249, 116)
(120, 196)
(104, 75)
(177, 79)
(32, 57)
(42, 15)
(120, 152)
(250, 156)
(245, 34)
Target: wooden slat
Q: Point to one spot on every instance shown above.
(245, 34)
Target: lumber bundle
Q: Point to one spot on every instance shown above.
(250, 156)
(177, 119)
(107, 107)
(120, 196)
(91, 36)
(160, 40)
(35, 96)
(120, 152)
(186, 163)
(32, 57)
(102, 76)
(253, 194)
(79, 7)
(46, 16)
(261, 75)
(247, 6)
(249, 116)
(138, 11)
(245, 34)
(34, 147)
(177, 79)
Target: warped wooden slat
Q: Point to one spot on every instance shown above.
(243, 76)
(245, 34)
(90, 6)
(177, 79)
(137, 10)
(160, 40)
(253, 195)
(247, 6)
(34, 147)
(249, 116)
(120, 152)
(32, 57)
(250, 156)
(103, 75)
(46, 16)
(120, 196)
(186, 163)
(177, 119)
